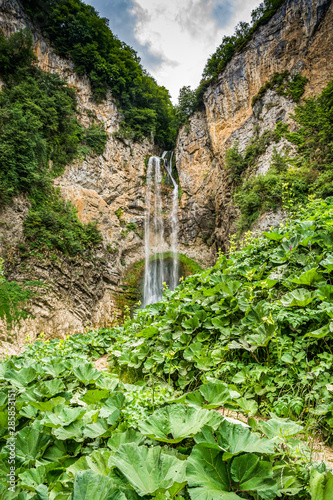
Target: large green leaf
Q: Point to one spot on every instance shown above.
(96, 429)
(252, 474)
(89, 485)
(129, 436)
(321, 332)
(147, 333)
(97, 462)
(32, 478)
(45, 406)
(300, 297)
(217, 394)
(321, 485)
(30, 443)
(176, 422)
(306, 278)
(86, 373)
(282, 428)
(65, 417)
(327, 263)
(274, 236)
(208, 476)
(148, 469)
(233, 439)
(94, 396)
(20, 378)
(191, 323)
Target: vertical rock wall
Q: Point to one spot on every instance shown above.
(299, 39)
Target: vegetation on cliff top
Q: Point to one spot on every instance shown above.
(76, 31)
(192, 100)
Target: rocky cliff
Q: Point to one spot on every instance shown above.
(110, 188)
(298, 39)
(107, 188)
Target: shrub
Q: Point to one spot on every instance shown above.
(95, 137)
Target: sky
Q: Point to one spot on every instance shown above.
(174, 38)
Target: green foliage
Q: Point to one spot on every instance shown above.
(293, 87)
(186, 105)
(243, 33)
(238, 335)
(77, 31)
(39, 135)
(13, 297)
(310, 172)
(53, 223)
(95, 137)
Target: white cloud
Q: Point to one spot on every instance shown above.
(185, 32)
(174, 37)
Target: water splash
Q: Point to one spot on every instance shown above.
(155, 268)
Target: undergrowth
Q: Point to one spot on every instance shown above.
(253, 334)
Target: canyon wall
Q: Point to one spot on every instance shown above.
(108, 189)
(298, 39)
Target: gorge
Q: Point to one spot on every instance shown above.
(109, 188)
(215, 216)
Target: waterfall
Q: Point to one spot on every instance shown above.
(174, 224)
(155, 272)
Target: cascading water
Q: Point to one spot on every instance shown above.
(155, 270)
(174, 224)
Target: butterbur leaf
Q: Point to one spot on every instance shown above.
(65, 417)
(148, 469)
(300, 297)
(89, 485)
(325, 292)
(148, 332)
(176, 422)
(31, 443)
(129, 436)
(306, 278)
(20, 378)
(42, 492)
(233, 439)
(321, 485)
(72, 431)
(96, 429)
(321, 332)
(255, 475)
(86, 373)
(249, 406)
(216, 394)
(31, 478)
(191, 323)
(208, 476)
(94, 396)
(282, 428)
(274, 236)
(45, 406)
(327, 264)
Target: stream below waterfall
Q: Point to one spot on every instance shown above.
(159, 270)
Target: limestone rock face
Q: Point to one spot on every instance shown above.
(79, 293)
(298, 39)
